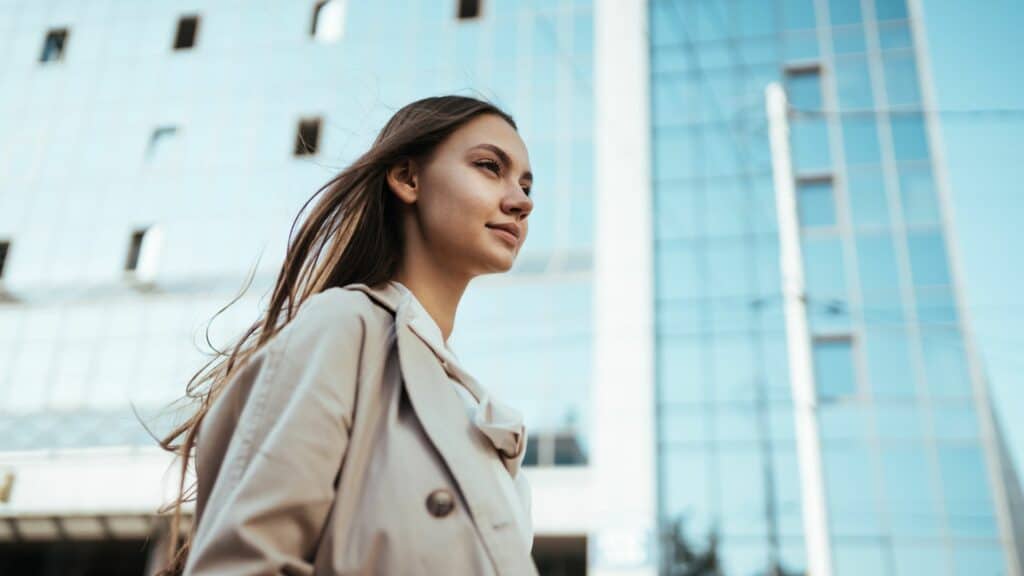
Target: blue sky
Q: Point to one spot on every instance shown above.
(976, 48)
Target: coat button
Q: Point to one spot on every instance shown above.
(440, 502)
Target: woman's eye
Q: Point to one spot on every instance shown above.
(490, 164)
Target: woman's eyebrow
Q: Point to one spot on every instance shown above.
(503, 156)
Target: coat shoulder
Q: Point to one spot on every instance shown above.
(335, 315)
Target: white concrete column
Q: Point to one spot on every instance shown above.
(798, 340)
(623, 538)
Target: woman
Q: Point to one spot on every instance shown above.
(340, 435)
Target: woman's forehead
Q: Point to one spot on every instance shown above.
(490, 132)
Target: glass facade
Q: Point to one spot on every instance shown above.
(906, 473)
(135, 129)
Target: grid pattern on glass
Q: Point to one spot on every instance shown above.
(880, 294)
(223, 186)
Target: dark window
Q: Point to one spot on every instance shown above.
(5, 246)
(530, 458)
(53, 46)
(111, 557)
(134, 249)
(307, 137)
(568, 451)
(469, 9)
(186, 35)
(560, 554)
(803, 86)
(316, 16)
(554, 448)
(161, 135)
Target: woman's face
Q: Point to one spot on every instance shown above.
(475, 183)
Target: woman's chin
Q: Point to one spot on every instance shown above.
(498, 263)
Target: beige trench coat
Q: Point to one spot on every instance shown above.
(427, 486)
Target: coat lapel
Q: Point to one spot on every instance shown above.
(443, 417)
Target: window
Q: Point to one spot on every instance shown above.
(530, 458)
(143, 251)
(860, 140)
(849, 475)
(568, 451)
(328, 20)
(809, 138)
(53, 46)
(823, 267)
(554, 448)
(879, 279)
(816, 202)
(679, 264)
(844, 12)
(5, 247)
(895, 35)
(928, 265)
(868, 203)
(890, 371)
(798, 14)
(945, 364)
(134, 248)
(901, 79)
(909, 139)
(965, 487)
(803, 86)
(307, 137)
(853, 83)
(469, 9)
(161, 136)
(801, 45)
(809, 131)
(919, 197)
(890, 9)
(186, 35)
(729, 266)
(848, 40)
(834, 375)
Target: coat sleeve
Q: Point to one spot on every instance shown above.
(276, 484)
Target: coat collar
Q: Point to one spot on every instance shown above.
(501, 424)
(427, 363)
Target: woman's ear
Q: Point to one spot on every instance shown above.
(402, 179)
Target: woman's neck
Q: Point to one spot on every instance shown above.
(437, 292)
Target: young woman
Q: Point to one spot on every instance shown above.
(340, 435)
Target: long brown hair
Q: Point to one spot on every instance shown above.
(352, 234)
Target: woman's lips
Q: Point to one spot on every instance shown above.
(505, 235)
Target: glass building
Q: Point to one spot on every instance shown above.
(909, 464)
(153, 154)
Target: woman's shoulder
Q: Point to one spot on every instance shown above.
(334, 315)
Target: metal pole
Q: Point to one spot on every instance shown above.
(798, 340)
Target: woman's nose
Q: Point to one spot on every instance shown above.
(519, 202)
